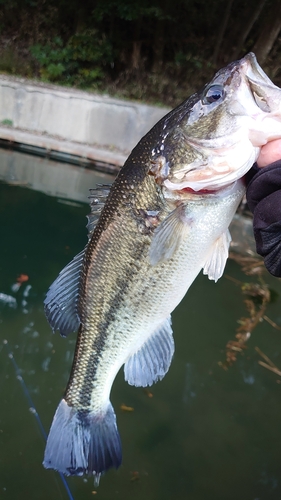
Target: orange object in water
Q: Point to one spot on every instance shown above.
(22, 278)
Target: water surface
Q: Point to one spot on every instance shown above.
(201, 433)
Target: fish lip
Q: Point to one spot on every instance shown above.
(253, 71)
(204, 192)
(214, 184)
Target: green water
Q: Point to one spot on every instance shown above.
(205, 433)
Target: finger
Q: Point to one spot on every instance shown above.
(269, 153)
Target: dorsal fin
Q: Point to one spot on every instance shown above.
(97, 200)
(61, 300)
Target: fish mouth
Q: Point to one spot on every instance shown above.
(209, 179)
(204, 191)
(265, 124)
(254, 106)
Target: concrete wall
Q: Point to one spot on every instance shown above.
(73, 116)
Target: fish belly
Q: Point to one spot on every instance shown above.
(149, 295)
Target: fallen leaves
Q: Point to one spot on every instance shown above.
(148, 392)
(135, 476)
(126, 408)
(22, 278)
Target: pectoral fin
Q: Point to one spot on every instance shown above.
(168, 236)
(152, 361)
(215, 264)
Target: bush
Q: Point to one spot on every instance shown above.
(81, 61)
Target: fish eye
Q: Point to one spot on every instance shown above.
(214, 93)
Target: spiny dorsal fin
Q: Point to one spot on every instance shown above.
(61, 300)
(152, 361)
(97, 200)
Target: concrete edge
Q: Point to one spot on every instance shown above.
(18, 139)
(73, 121)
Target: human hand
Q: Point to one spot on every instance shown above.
(264, 200)
(269, 153)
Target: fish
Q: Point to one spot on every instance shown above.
(164, 219)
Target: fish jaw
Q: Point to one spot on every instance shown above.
(264, 109)
(222, 169)
(232, 131)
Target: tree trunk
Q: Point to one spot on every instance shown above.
(136, 55)
(222, 31)
(136, 48)
(269, 33)
(252, 19)
(158, 46)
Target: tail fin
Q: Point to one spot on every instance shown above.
(83, 442)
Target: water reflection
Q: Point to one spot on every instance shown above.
(49, 177)
(203, 433)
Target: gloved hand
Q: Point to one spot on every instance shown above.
(264, 200)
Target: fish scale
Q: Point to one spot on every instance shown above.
(164, 219)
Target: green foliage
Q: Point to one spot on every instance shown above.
(13, 63)
(7, 122)
(81, 61)
(189, 60)
(146, 49)
(128, 10)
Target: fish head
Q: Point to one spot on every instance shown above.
(212, 139)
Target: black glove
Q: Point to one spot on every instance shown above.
(264, 200)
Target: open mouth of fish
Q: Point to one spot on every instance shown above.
(223, 160)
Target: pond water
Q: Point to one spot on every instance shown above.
(204, 432)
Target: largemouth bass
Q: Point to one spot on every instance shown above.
(164, 219)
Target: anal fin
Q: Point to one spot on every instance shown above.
(215, 264)
(152, 361)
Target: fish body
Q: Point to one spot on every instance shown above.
(164, 219)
